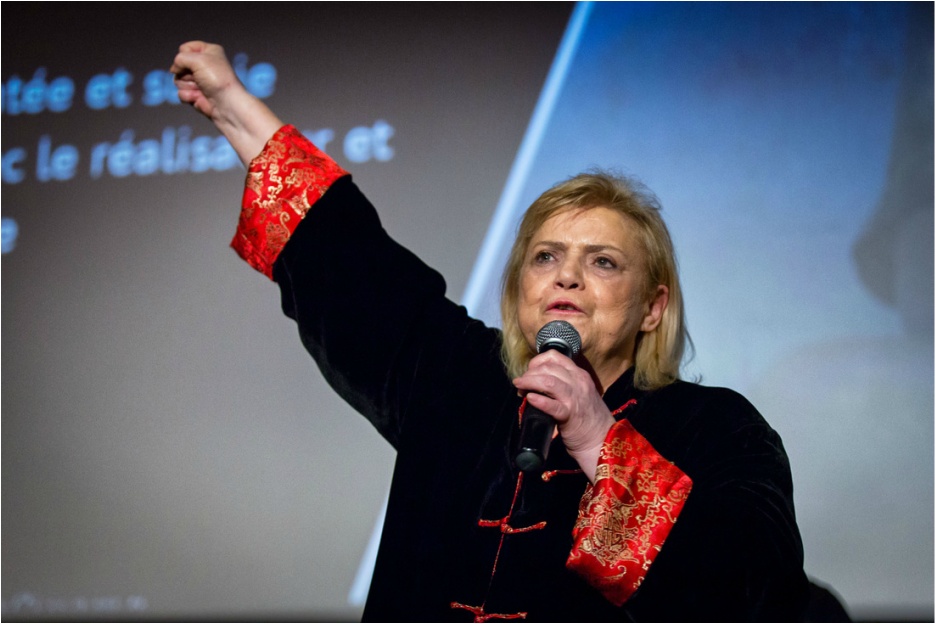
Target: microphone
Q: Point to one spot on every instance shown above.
(536, 430)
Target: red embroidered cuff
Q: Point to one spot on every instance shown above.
(626, 516)
(282, 183)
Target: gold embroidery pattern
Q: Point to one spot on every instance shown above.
(626, 516)
(282, 183)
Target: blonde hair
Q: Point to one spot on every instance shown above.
(659, 352)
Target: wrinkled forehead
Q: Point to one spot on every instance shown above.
(598, 224)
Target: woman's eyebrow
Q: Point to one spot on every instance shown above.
(597, 248)
(592, 248)
(552, 244)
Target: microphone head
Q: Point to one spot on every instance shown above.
(558, 335)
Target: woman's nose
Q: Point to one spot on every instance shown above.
(569, 275)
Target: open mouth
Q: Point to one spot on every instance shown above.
(563, 306)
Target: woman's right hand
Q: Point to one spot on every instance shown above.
(204, 77)
(206, 80)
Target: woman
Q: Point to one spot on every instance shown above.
(660, 499)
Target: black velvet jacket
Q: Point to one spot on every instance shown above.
(430, 378)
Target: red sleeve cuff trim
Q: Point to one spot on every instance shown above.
(627, 515)
(282, 183)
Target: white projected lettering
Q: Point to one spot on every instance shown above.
(36, 95)
(12, 165)
(364, 143)
(106, 90)
(174, 151)
(55, 162)
(127, 152)
(10, 232)
(30, 603)
(113, 89)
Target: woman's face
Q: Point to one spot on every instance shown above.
(586, 266)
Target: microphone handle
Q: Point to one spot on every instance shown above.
(536, 434)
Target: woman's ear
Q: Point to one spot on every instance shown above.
(655, 308)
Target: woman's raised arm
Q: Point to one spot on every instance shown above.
(206, 80)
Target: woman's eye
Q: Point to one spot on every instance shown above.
(542, 257)
(605, 263)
